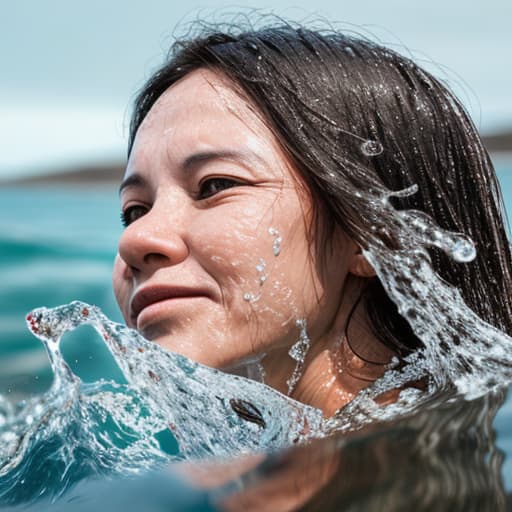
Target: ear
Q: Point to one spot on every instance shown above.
(359, 265)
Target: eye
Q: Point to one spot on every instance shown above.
(132, 213)
(213, 186)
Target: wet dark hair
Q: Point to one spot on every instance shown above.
(352, 115)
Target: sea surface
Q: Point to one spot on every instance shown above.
(57, 244)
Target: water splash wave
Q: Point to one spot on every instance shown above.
(107, 428)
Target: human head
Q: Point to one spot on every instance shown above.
(216, 220)
(353, 117)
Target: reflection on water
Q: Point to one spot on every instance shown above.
(441, 458)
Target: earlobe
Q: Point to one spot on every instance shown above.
(360, 266)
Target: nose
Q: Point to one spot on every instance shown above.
(151, 242)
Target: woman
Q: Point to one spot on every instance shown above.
(259, 164)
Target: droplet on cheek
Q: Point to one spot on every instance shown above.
(278, 240)
(262, 265)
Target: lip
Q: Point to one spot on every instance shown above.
(150, 295)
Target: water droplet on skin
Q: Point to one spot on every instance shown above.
(372, 148)
(261, 270)
(249, 297)
(276, 247)
(260, 267)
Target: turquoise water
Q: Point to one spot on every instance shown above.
(57, 244)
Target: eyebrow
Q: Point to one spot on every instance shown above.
(194, 160)
(244, 157)
(134, 180)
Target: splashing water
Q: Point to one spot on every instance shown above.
(78, 430)
(209, 412)
(298, 353)
(196, 401)
(462, 354)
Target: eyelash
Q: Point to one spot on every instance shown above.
(125, 215)
(232, 183)
(202, 194)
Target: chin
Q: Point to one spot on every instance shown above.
(179, 345)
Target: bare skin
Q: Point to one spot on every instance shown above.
(217, 262)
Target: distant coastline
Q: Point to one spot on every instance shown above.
(499, 142)
(111, 174)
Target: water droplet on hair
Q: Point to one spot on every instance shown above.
(463, 251)
(253, 46)
(349, 51)
(372, 148)
(406, 192)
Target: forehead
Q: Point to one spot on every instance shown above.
(203, 110)
(202, 87)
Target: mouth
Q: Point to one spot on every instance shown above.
(155, 295)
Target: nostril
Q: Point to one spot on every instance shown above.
(155, 257)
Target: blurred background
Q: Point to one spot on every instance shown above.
(69, 72)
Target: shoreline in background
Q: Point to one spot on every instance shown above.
(111, 174)
(500, 142)
(97, 174)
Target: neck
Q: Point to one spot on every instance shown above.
(338, 365)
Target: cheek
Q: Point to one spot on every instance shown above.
(260, 257)
(121, 285)
(271, 266)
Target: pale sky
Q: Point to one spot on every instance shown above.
(69, 70)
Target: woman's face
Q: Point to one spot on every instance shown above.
(215, 262)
